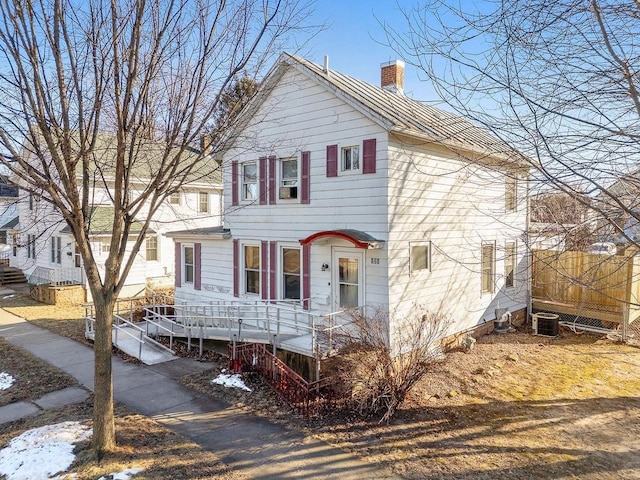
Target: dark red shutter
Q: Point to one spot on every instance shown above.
(178, 265)
(332, 160)
(197, 266)
(305, 180)
(262, 172)
(264, 271)
(234, 183)
(306, 275)
(369, 156)
(273, 263)
(236, 268)
(272, 180)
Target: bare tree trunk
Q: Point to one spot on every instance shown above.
(104, 431)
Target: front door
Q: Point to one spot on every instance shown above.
(348, 273)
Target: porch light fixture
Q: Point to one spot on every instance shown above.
(325, 267)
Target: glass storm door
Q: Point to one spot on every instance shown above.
(347, 279)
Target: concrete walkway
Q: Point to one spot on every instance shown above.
(252, 445)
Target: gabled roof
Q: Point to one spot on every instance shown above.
(392, 111)
(10, 224)
(213, 232)
(101, 222)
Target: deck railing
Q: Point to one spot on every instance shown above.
(306, 397)
(57, 276)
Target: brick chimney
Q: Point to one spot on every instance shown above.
(392, 76)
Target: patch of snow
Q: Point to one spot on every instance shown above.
(42, 452)
(6, 380)
(231, 381)
(124, 475)
(9, 296)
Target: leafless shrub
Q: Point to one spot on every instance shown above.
(382, 358)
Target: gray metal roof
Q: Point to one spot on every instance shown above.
(399, 113)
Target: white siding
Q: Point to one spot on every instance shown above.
(456, 205)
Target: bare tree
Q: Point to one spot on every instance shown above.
(556, 80)
(378, 370)
(147, 75)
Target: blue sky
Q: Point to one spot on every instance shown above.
(354, 41)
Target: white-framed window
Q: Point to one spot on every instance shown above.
(350, 158)
(105, 245)
(251, 269)
(510, 252)
(510, 193)
(3, 237)
(77, 258)
(152, 248)
(249, 181)
(174, 198)
(288, 178)
(31, 246)
(488, 267)
(56, 250)
(420, 256)
(291, 273)
(203, 202)
(187, 263)
(14, 238)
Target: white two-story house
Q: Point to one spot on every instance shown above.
(44, 247)
(342, 194)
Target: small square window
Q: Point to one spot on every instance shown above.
(174, 198)
(420, 257)
(350, 158)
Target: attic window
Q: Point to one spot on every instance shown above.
(350, 158)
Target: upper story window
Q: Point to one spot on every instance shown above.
(350, 158)
(105, 246)
(174, 198)
(31, 246)
(3, 237)
(249, 181)
(288, 178)
(203, 202)
(510, 193)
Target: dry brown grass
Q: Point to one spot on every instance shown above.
(142, 443)
(33, 377)
(65, 321)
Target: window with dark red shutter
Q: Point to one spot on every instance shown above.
(332, 160)
(305, 178)
(272, 180)
(197, 267)
(236, 268)
(262, 167)
(369, 156)
(264, 271)
(178, 264)
(234, 183)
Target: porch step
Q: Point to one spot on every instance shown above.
(9, 275)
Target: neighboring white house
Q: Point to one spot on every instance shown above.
(45, 248)
(342, 194)
(8, 216)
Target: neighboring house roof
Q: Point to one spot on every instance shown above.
(6, 189)
(391, 110)
(219, 232)
(13, 223)
(146, 161)
(101, 222)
